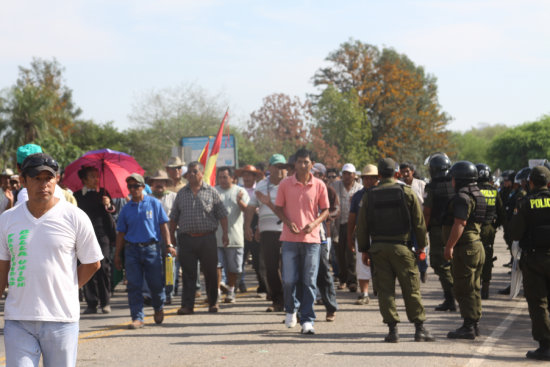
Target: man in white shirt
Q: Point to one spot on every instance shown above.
(40, 243)
(270, 228)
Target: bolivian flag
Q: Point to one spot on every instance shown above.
(210, 169)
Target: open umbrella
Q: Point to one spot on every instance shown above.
(113, 169)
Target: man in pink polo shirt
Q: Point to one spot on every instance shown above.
(302, 205)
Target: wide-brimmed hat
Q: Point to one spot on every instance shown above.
(174, 162)
(160, 175)
(369, 170)
(7, 172)
(248, 168)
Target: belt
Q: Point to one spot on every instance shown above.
(197, 234)
(143, 244)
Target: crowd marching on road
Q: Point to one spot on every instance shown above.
(307, 230)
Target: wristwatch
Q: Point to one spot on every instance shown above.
(170, 245)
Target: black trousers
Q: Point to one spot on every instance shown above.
(270, 253)
(346, 258)
(192, 250)
(98, 289)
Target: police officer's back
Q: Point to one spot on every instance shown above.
(461, 230)
(438, 193)
(530, 226)
(388, 214)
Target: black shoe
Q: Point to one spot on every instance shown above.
(541, 354)
(476, 328)
(393, 336)
(505, 291)
(421, 334)
(352, 287)
(466, 331)
(448, 304)
(90, 310)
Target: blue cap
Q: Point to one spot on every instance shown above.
(25, 150)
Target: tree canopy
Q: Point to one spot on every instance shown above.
(398, 98)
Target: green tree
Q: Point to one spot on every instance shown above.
(473, 144)
(163, 117)
(514, 147)
(344, 124)
(38, 107)
(398, 97)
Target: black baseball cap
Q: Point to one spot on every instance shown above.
(36, 163)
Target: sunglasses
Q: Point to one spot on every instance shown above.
(133, 186)
(331, 176)
(31, 162)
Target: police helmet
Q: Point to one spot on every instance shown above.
(523, 174)
(508, 175)
(464, 171)
(483, 172)
(439, 165)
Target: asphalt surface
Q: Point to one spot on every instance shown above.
(243, 334)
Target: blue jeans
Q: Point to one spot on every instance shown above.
(26, 340)
(144, 262)
(300, 264)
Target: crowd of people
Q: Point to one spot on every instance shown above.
(297, 221)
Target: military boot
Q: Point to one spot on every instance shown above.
(421, 334)
(476, 328)
(541, 354)
(393, 336)
(448, 304)
(466, 331)
(485, 290)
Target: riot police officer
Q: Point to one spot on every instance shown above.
(461, 232)
(531, 227)
(495, 216)
(519, 191)
(389, 213)
(438, 192)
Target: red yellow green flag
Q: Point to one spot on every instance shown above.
(210, 168)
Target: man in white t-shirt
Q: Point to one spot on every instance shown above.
(40, 243)
(269, 227)
(230, 255)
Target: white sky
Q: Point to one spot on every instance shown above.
(491, 58)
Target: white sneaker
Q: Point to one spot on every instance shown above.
(291, 320)
(307, 328)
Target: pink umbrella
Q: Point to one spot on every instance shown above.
(113, 169)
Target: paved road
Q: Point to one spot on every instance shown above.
(243, 334)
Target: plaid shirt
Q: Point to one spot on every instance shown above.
(198, 213)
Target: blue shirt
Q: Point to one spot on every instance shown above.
(356, 203)
(140, 221)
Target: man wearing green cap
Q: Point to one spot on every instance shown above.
(270, 227)
(389, 213)
(531, 227)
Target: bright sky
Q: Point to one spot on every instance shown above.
(491, 58)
